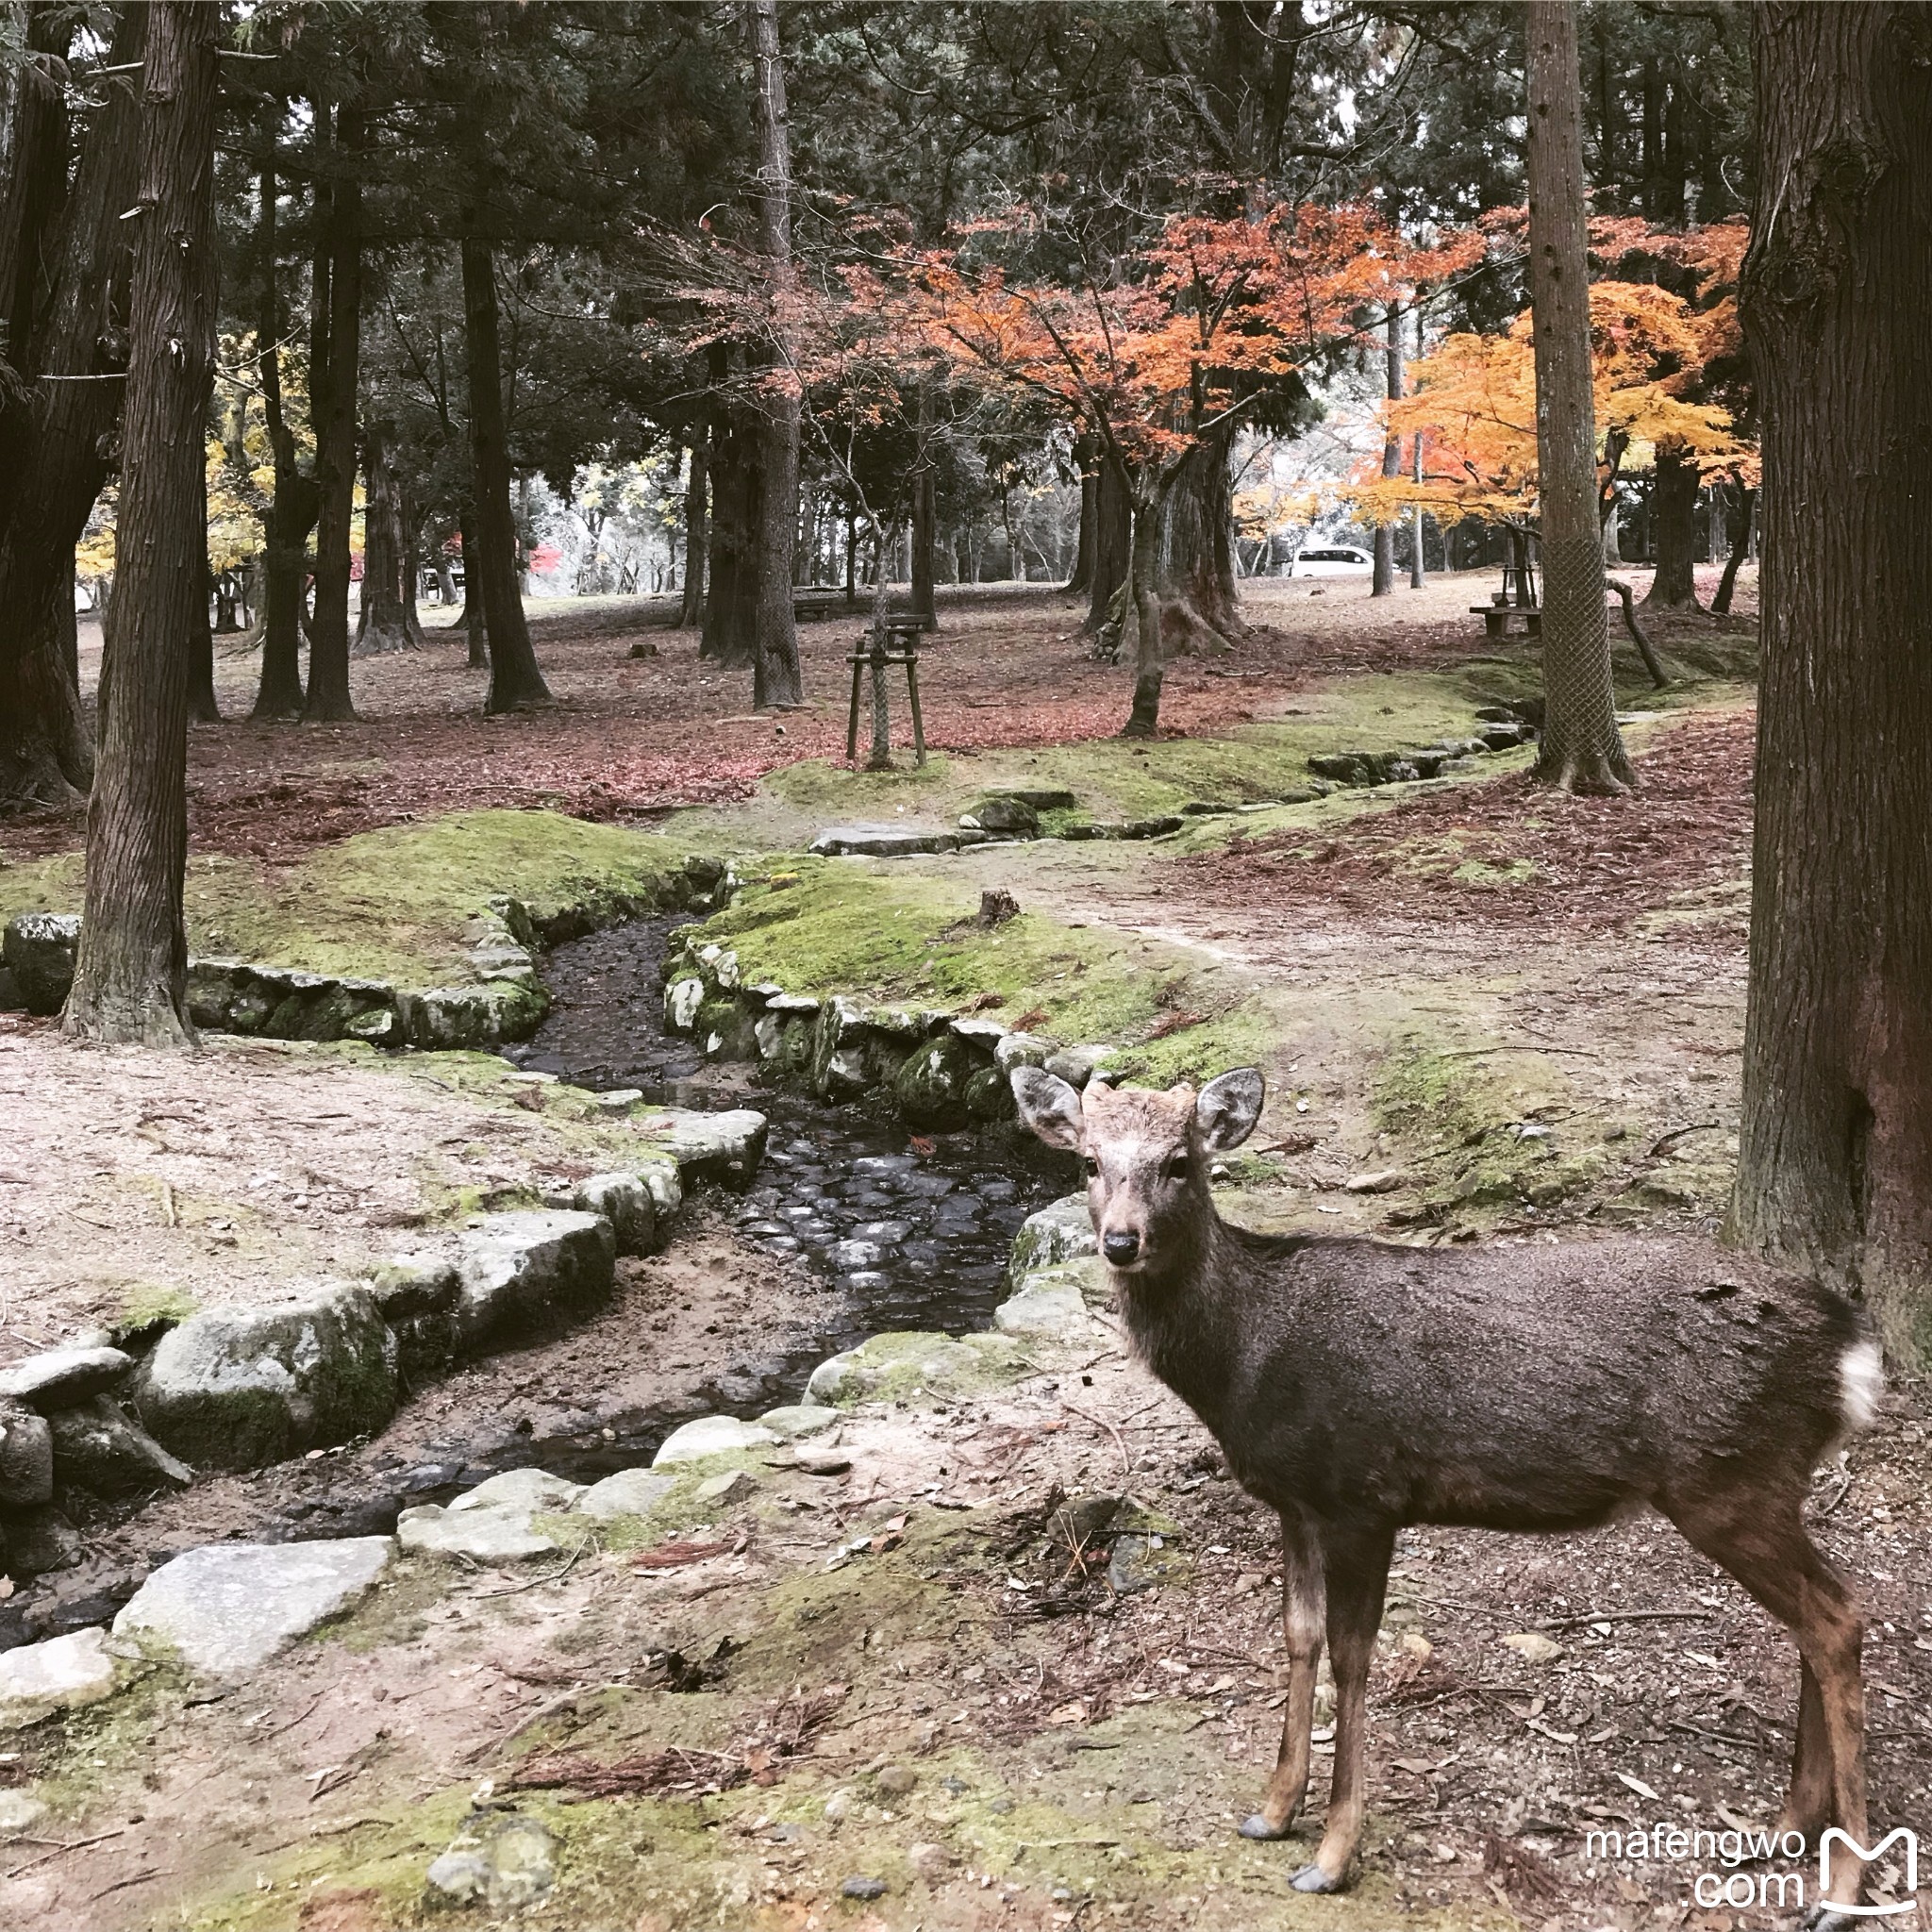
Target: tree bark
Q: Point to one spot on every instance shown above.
(474, 621)
(516, 684)
(335, 354)
(1835, 1161)
(292, 508)
(1082, 579)
(1741, 543)
(1144, 720)
(925, 533)
(60, 446)
(1194, 573)
(1382, 583)
(130, 976)
(1674, 529)
(1418, 563)
(731, 567)
(777, 679)
(384, 624)
(690, 611)
(1582, 750)
(202, 707)
(1113, 548)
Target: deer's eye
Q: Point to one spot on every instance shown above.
(1177, 1169)
(1093, 1168)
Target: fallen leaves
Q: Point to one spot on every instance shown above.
(675, 1554)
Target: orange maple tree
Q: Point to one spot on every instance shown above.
(1189, 337)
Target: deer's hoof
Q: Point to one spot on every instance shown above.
(1312, 1878)
(1256, 1826)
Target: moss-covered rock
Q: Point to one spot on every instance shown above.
(238, 1388)
(902, 1366)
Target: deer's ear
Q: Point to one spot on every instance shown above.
(1049, 1106)
(1228, 1109)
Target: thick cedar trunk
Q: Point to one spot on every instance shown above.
(336, 344)
(1082, 579)
(384, 624)
(731, 565)
(925, 516)
(515, 682)
(202, 707)
(1193, 563)
(130, 976)
(1582, 750)
(775, 676)
(472, 617)
(1113, 545)
(1674, 529)
(1144, 720)
(293, 510)
(1835, 1162)
(1383, 582)
(1418, 563)
(690, 611)
(59, 445)
(1741, 543)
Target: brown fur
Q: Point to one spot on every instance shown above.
(1357, 1386)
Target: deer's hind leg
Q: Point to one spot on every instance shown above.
(1763, 1543)
(1303, 1617)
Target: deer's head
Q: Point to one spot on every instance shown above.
(1146, 1155)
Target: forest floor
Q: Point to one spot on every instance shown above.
(1527, 1008)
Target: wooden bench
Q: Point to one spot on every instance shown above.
(1499, 619)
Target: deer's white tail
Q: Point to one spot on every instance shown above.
(1860, 1383)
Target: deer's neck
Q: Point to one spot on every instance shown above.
(1185, 1320)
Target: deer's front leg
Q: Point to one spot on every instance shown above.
(1357, 1574)
(1304, 1614)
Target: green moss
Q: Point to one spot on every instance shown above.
(891, 936)
(150, 1301)
(1463, 1110)
(393, 903)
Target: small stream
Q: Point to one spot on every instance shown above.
(907, 1235)
(895, 1233)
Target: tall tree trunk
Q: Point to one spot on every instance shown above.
(925, 533)
(515, 682)
(1144, 720)
(1582, 750)
(56, 438)
(1418, 563)
(1674, 529)
(384, 624)
(202, 707)
(690, 611)
(777, 679)
(1089, 465)
(1200, 606)
(1382, 583)
(1741, 543)
(292, 508)
(1113, 546)
(474, 621)
(731, 567)
(334, 355)
(1835, 1161)
(130, 976)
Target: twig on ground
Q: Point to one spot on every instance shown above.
(60, 1845)
(1119, 1441)
(1677, 1134)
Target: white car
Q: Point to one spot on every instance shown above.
(1333, 560)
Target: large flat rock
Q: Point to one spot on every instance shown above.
(712, 1435)
(523, 1269)
(229, 1608)
(725, 1147)
(39, 1679)
(483, 1536)
(890, 842)
(62, 1376)
(238, 1388)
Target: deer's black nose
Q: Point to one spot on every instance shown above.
(1121, 1248)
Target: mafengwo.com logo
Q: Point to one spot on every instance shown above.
(1780, 1875)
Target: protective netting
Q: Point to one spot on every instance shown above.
(1580, 733)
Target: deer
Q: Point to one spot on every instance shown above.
(1357, 1387)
